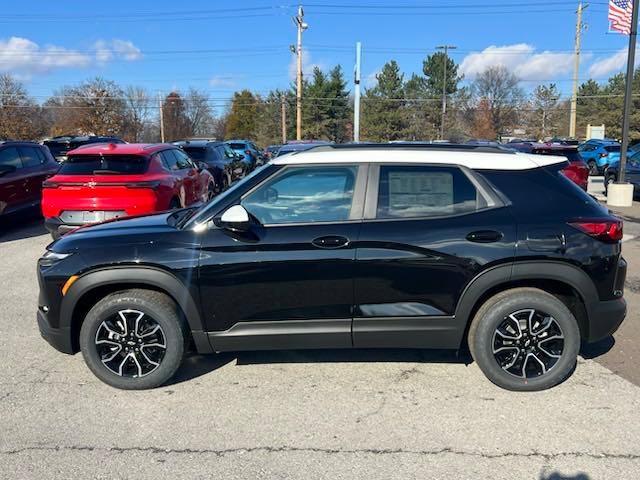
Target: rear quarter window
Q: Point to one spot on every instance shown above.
(104, 165)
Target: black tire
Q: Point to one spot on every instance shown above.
(496, 311)
(157, 307)
(211, 192)
(55, 235)
(593, 167)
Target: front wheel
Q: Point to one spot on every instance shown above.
(134, 339)
(608, 180)
(525, 339)
(593, 168)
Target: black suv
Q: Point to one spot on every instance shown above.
(223, 163)
(349, 246)
(59, 146)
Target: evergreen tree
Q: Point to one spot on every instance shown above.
(242, 121)
(384, 118)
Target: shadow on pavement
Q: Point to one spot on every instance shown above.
(18, 227)
(590, 351)
(559, 476)
(195, 365)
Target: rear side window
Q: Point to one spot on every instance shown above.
(424, 191)
(238, 146)
(612, 148)
(9, 157)
(29, 157)
(196, 153)
(104, 165)
(543, 193)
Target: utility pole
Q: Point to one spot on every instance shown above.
(283, 118)
(161, 118)
(576, 69)
(299, 21)
(626, 113)
(356, 100)
(446, 49)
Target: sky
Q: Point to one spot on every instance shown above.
(220, 46)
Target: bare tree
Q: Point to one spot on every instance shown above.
(20, 116)
(198, 113)
(499, 91)
(137, 108)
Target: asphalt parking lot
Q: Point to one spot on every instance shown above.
(330, 414)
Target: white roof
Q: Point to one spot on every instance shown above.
(470, 159)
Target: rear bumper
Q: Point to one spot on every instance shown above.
(58, 338)
(605, 318)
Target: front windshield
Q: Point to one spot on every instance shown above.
(202, 212)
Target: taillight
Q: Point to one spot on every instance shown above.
(152, 184)
(607, 230)
(50, 184)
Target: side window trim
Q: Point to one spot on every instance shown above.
(357, 203)
(491, 199)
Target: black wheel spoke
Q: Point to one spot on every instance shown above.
(528, 343)
(130, 343)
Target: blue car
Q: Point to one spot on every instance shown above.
(252, 155)
(599, 154)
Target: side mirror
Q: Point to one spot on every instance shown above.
(202, 166)
(240, 156)
(235, 219)
(4, 169)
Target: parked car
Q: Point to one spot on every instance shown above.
(563, 141)
(577, 171)
(23, 168)
(223, 163)
(107, 181)
(300, 147)
(524, 146)
(349, 246)
(248, 149)
(632, 173)
(271, 151)
(599, 154)
(60, 146)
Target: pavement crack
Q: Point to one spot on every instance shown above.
(327, 451)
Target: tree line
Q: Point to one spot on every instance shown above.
(394, 106)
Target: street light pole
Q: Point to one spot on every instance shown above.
(302, 26)
(445, 60)
(356, 100)
(576, 69)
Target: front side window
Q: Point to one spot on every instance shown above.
(425, 191)
(304, 195)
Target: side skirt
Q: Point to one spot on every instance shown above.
(408, 332)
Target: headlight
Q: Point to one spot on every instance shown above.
(50, 258)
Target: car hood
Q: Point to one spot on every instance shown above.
(119, 231)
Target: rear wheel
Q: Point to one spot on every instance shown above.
(593, 167)
(524, 339)
(134, 339)
(211, 192)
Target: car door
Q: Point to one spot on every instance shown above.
(34, 173)
(428, 231)
(633, 170)
(13, 194)
(288, 282)
(193, 183)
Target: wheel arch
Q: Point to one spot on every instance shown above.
(567, 282)
(94, 285)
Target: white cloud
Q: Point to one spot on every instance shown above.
(222, 81)
(307, 65)
(605, 66)
(107, 50)
(24, 57)
(521, 59)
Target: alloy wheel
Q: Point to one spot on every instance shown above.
(131, 343)
(528, 343)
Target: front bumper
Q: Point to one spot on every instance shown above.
(58, 338)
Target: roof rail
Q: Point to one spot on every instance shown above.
(413, 146)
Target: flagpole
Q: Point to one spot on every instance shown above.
(628, 91)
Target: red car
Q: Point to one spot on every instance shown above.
(577, 171)
(107, 181)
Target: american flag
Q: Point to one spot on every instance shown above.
(620, 15)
